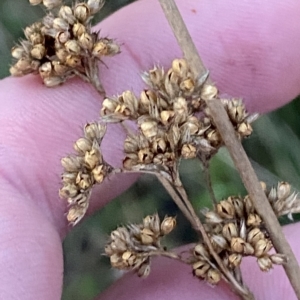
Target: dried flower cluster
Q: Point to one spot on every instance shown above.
(172, 118)
(131, 247)
(237, 230)
(62, 44)
(172, 121)
(83, 170)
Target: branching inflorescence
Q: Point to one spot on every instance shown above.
(63, 45)
(169, 120)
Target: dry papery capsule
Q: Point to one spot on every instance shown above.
(264, 263)
(208, 92)
(200, 268)
(78, 29)
(201, 252)
(213, 276)
(167, 225)
(72, 47)
(262, 247)
(105, 47)
(45, 69)
(99, 173)
(66, 13)
(149, 128)
(188, 151)
(152, 223)
(95, 5)
(86, 41)
(50, 4)
(53, 81)
(62, 37)
(225, 209)
(38, 51)
(73, 61)
(35, 2)
(17, 52)
(94, 131)
(60, 24)
(81, 12)
(283, 190)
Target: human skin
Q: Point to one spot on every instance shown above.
(251, 49)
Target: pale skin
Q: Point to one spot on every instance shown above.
(251, 49)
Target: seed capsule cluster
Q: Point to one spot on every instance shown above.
(172, 118)
(236, 230)
(131, 247)
(62, 44)
(82, 171)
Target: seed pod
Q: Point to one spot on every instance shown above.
(78, 29)
(53, 81)
(95, 5)
(167, 225)
(66, 13)
(86, 41)
(35, 2)
(23, 64)
(94, 131)
(235, 259)
(213, 276)
(82, 12)
(144, 269)
(50, 4)
(229, 231)
(278, 259)
(60, 24)
(82, 145)
(211, 217)
(253, 220)
(71, 163)
(264, 263)
(17, 52)
(59, 68)
(99, 173)
(208, 92)
(62, 37)
(38, 51)
(45, 69)
(200, 268)
(244, 129)
(15, 71)
(254, 236)
(149, 128)
(225, 209)
(262, 247)
(283, 190)
(188, 151)
(72, 47)
(73, 61)
(201, 252)
(68, 191)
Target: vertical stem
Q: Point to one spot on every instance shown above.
(234, 146)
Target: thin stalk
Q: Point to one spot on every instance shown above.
(234, 146)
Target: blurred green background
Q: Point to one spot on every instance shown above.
(273, 148)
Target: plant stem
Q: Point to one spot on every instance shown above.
(234, 146)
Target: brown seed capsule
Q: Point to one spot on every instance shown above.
(82, 145)
(167, 225)
(208, 92)
(68, 191)
(99, 173)
(66, 13)
(225, 209)
(71, 163)
(92, 158)
(38, 51)
(244, 129)
(262, 247)
(229, 231)
(213, 276)
(17, 52)
(254, 236)
(60, 24)
(78, 29)
(62, 37)
(147, 236)
(15, 71)
(50, 4)
(240, 246)
(283, 190)
(86, 41)
(82, 12)
(264, 263)
(200, 268)
(76, 213)
(105, 47)
(188, 151)
(53, 81)
(45, 69)
(73, 61)
(72, 47)
(23, 64)
(235, 259)
(144, 270)
(149, 128)
(35, 2)
(94, 131)
(278, 259)
(95, 5)
(59, 68)
(253, 220)
(212, 217)
(201, 252)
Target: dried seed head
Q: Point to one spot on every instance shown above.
(78, 29)
(229, 231)
(253, 220)
(38, 51)
(262, 247)
(17, 52)
(53, 81)
(82, 145)
(66, 13)
(283, 190)
(60, 24)
(201, 252)
(95, 5)
(278, 259)
(254, 236)
(149, 128)
(86, 41)
(188, 151)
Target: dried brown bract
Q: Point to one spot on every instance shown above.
(63, 45)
